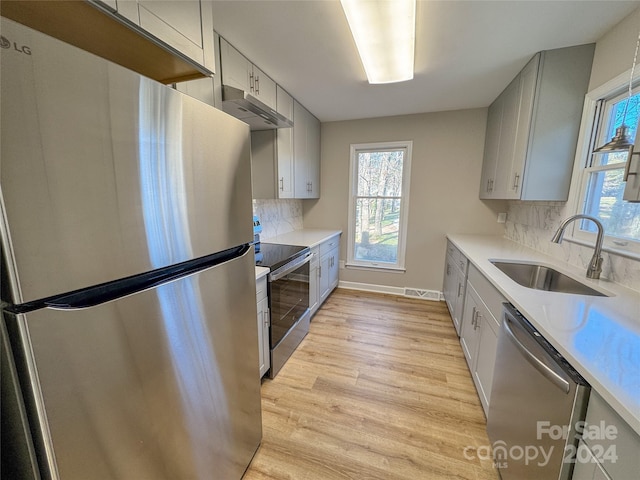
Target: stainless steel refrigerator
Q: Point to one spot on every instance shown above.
(129, 346)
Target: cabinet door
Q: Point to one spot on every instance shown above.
(236, 69)
(486, 357)
(528, 81)
(449, 284)
(491, 148)
(459, 286)
(469, 334)
(324, 277)
(263, 335)
(314, 289)
(284, 104)
(178, 24)
(264, 88)
(334, 269)
(301, 179)
(313, 156)
(508, 128)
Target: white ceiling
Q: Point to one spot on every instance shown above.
(466, 51)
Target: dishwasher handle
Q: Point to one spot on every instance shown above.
(538, 364)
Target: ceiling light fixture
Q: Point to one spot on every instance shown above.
(621, 140)
(385, 35)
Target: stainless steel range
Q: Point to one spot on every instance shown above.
(288, 291)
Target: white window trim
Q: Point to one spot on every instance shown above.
(404, 206)
(580, 178)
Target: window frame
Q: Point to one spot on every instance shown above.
(351, 262)
(593, 112)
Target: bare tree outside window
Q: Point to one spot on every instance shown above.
(377, 203)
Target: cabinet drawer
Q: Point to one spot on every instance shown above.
(261, 288)
(458, 258)
(491, 297)
(606, 432)
(328, 245)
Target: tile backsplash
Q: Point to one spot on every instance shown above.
(533, 225)
(278, 216)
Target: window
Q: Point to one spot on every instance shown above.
(378, 204)
(603, 185)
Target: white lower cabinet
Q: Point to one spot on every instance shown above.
(479, 332)
(314, 280)
(264, 321)
(324, 271)
(454, 284)
(609, 447)
(329, 263)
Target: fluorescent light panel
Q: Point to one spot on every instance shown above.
(385, 34)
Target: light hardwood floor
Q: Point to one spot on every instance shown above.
(379, 389)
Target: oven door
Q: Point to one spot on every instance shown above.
(288, 297)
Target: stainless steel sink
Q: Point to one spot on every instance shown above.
(543, 278)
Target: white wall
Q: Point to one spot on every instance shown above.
(533, 223)
(445, 181)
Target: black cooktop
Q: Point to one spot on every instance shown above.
(274, 255)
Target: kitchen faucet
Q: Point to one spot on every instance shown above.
(595, 264)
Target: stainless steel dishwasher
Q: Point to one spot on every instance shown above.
(538, 402)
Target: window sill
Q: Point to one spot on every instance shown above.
(606, 248)
(389, 269)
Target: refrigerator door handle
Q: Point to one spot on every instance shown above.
(106, 292)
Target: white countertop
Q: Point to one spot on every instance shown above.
(308, 237)
(599, 336)
(261, 272)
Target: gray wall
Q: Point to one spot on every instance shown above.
(445, 179)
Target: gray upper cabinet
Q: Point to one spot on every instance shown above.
(185, 26)
(306, 153)
(239, 72)
(532, 128)
(285, 162)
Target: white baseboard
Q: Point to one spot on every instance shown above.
(400, 291)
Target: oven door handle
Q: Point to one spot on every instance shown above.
(289, 267)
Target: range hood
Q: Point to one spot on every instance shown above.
(249, 109)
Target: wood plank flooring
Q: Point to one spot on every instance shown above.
(379, 389)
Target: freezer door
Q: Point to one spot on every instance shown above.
(163, 384)
(107, 174)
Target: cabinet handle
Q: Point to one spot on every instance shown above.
(459, 288)
(257, 81)
(320, 271)
(478, 317)
(516, 181)
(266, 317)
(282, 183)
(488, 185)
(251, 82)
(448, 269)
(473, 317)
(461, 265)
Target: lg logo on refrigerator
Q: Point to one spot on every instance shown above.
(6, 44)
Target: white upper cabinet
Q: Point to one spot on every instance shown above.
(306, 153)
(185, 26)
(239, 72)
(284, 139)
(532, 128)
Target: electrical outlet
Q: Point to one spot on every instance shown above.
(502, 217)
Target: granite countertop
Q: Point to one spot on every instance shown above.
(599, 336)
(307, 237)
